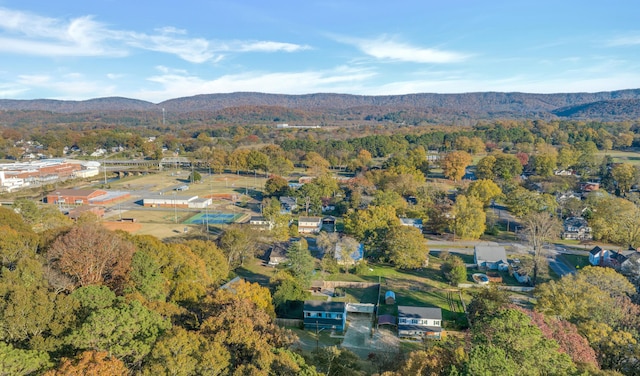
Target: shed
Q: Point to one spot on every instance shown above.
(389, 297)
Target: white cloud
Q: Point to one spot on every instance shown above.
(268, 46)
(177, 84)
(385, 48)
(195, 50)
(71, 86)
(31, 34)
(632, 39)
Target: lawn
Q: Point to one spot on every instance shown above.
(631, 157)
(364, 295)
(577, 261)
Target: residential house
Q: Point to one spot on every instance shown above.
(261, 223)
(610, 258)
(288, 204)
(576, 228)
(309, 225)
(277, 254)
(631, 266)
(599, 256)
(490, 257)
(318, 314)
(419, 322)
(412, 222)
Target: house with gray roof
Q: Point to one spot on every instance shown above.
(490, 257)
(419, 322)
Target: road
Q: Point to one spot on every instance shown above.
(557, 264)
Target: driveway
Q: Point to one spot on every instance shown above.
(359, 340)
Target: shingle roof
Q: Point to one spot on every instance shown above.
(420, 312)
(322, 306)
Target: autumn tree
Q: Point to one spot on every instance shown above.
(469, 218)
(625, 175)
(539, 228)
(90, 254)
(484, 190)
(454, 164)
(90, 363)
(315, 163)
(238, 244)
(247, 335)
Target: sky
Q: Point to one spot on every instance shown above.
(159, 50)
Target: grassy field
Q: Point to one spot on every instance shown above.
(632, 157)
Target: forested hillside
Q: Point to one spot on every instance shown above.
(331, 109)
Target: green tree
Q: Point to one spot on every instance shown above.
(195, 177)
(276, 186)
(371, 226)
(125, 330)
(406, 248)
(522, 201)
(18, 362)
(512, 332)
(485, 168)
(300, 264)
(507, 166)
(454, 270)
(487, 360)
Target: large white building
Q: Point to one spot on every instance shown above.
(170, 201)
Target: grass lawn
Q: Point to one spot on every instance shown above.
(365, 295)
(631, 157)
(255, 271)
(577, 261)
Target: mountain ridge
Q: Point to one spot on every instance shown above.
(605, 105)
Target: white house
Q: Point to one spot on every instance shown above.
(261, 223)
(490, 257)
(309, 225)
(419, 322)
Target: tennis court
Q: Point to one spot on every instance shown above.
(213, 218)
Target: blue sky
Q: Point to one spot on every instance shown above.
(158, 50)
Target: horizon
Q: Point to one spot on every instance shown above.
(101, 49)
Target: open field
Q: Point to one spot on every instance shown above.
(632, 157)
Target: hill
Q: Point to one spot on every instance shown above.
(327, 107)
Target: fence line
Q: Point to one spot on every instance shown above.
(355, 285)
(289, 322)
